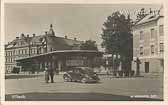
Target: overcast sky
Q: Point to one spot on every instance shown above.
(81, 21)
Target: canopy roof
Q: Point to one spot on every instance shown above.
(63, 52)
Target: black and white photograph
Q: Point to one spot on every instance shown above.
(84, 52)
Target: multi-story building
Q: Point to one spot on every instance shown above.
(25, 46)
(148, 42)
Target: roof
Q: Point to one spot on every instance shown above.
(17, 42)
(148, 18)
(57, 43)
(62, 51)
(151, 17)
(60, 43)
(37, 39)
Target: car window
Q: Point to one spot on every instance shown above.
(89, 71)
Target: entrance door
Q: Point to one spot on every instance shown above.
(146, 67)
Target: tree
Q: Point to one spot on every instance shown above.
(89, 45)
(117, 38)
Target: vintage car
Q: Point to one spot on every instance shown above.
(81, 74)
(16, 70)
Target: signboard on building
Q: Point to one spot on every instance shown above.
(74, 63)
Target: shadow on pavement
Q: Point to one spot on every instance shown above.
(72, 97)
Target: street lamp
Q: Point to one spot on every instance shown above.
(115, 63)
(114, 71)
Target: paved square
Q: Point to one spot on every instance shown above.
(109, 88)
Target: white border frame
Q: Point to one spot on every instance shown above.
(2, 80)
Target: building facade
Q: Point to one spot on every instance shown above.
(148, 42)
(27, 46)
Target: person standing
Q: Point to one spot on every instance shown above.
(138, 62)
(46, 74)
(51, 74)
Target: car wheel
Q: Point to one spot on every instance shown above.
(67, 79)
(83, 80)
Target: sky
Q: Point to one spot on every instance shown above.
(83, 21)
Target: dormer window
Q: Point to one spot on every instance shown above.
(22, 43)
(14, 43)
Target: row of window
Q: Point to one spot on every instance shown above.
(9, 68)
(152, 33)
(22, 52)
(152, 49)
(10, 60)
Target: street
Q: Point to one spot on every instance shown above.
(109, 89)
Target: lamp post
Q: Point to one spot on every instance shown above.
(114, 71)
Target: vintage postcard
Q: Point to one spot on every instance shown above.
(83, 52)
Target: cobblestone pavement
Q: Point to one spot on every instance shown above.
(109, 88)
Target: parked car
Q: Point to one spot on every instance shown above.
(16, 70)
(81, 74)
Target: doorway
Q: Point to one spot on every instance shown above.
(146, 67)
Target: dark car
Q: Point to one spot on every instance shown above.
(16, 70)
(81, 74)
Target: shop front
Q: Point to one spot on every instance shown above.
(61, 60)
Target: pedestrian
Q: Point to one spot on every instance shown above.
(138, 62)
(46, 74)
(51, 74)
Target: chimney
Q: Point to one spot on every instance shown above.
(66, 37)
(34, 35)
(75, 38)
(150, 11)
(17, 37)
(45, 32)
(22, 36)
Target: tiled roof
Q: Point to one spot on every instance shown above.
(71, 42)
(61, 43)
(16, 43)
(58, 43)
(37, 39)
